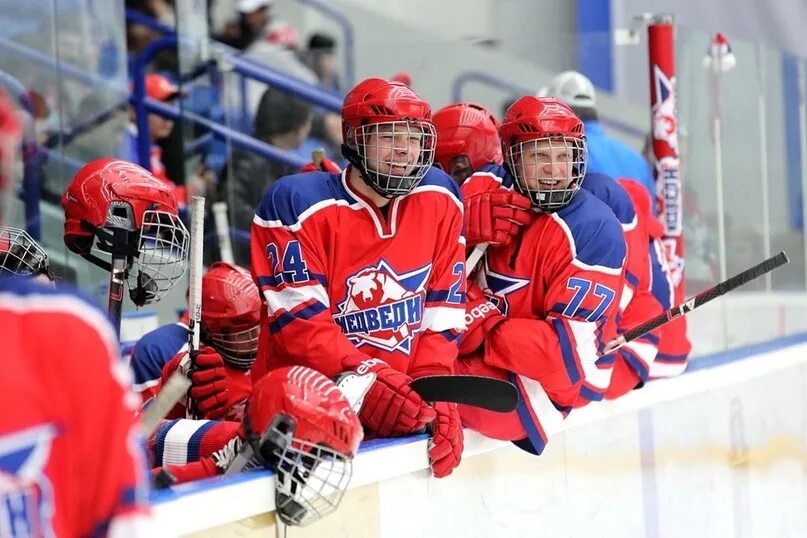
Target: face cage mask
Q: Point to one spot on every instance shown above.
(549, 198)
(311, 478)
(236, 348)
(163, 250)
(389, 184)
(20, 255)
(157, 263)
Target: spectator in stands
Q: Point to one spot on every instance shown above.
(159, 88)
(282, 120)
(253, 16)
(607, 155)
(321, 59)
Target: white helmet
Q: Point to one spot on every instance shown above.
(571, 87)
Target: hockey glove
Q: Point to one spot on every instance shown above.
(445, 447)
(218, 390)
(494, 216)
(481, 316)
(390, 407)
(326, 166)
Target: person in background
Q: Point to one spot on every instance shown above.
(283, 121)
(607, 155)
(159, 88)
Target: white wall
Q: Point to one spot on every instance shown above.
(705, 454)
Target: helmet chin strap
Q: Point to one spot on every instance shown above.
(355, 160)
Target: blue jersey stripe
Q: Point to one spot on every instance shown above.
(566, 351)
(287, 317)
(195, 442)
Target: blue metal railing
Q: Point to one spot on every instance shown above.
(144, 105)
(516, 90)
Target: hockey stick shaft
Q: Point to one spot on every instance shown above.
(222, 222)
(698, 300)
(178, 383)
(474, 257)
(117, 276)
(477, 391)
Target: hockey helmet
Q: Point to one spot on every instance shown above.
(109, 194)
(231, 310)
(467, 139)
(388, 135)
(299, 424)
(544, 148)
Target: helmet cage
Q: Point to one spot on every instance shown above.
(20, 255)
(155, 254)
(238, 348)
(311, 477)
(361, 153)
(552, 194)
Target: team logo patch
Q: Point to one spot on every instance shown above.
(497, 287)
(383, 308)
(26, 504)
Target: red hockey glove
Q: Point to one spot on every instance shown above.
(390, 407)
(445, 447)
(217, 389)
(327, 166)
(494, 216)
(481, 316)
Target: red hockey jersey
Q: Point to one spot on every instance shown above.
(559, 284)
(672, 342)
(632, 362)
(71, 460)
(344, 282)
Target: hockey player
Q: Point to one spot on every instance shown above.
(297, 423)
(673, 345)
(467, 139)
(363, 271)
(543, 306)
(71, 462)
(467, 142)
(230, 314)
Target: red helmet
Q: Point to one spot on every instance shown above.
(467, 139)
(10, 137)
(544, 148)
(108, 194)
(299, 424)
(231, 311)
(379, 108)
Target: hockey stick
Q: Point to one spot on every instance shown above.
(700, 299)
(474, 257)
(178, 384)
(477, 391)
(221, 220)
(117, 276)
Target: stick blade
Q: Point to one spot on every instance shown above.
(477, 391)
